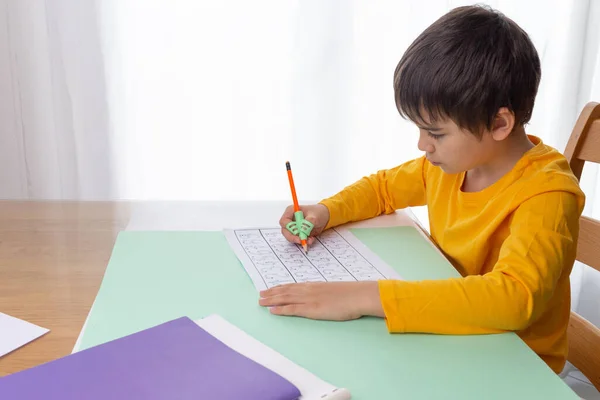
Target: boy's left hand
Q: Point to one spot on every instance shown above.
(337, 301)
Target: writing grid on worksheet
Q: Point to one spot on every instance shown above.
(268, 256)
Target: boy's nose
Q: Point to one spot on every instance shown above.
(425, 145)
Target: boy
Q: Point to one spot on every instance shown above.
(503, 207)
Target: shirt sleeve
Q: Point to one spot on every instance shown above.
(541, 246)
(380, 193)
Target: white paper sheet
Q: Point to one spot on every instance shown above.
(15, 333)
(311, 387)
(336, 255)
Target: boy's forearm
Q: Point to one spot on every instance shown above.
(380, 193)
(472, 305)
(356, 202)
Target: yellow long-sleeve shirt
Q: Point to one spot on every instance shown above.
(514, 244)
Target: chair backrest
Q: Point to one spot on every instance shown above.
(584, 338)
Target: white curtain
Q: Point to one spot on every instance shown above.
(157, 99)
(206, 100)
(209, 99)
(54, 123)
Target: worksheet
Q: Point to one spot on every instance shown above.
(335, 256)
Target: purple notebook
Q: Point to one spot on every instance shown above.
(176, 360)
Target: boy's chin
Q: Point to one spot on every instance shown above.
(447, 169)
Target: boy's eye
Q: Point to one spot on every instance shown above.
(434, 136)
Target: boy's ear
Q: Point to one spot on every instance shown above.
(503, 124)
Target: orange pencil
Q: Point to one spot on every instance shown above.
(295, 198)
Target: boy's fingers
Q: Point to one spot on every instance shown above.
(284, 221)
(280, 300)
(283, 289)
(289, 236)
(272, 291)
(290, 309)
(287, 216)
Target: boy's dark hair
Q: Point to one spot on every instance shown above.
(466, 66)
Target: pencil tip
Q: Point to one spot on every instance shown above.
(287, 165)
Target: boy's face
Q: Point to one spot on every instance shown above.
(453, 149)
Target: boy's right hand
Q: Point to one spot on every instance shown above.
(318, 214)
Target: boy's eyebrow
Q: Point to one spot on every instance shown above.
(429, 128)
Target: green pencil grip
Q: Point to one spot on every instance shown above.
(300, 226)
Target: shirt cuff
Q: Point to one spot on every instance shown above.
(334, 213)
(391, 305)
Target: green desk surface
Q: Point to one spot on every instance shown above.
(153, 277)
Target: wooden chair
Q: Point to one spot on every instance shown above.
(584, 338)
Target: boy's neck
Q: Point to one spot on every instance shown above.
(510, 151)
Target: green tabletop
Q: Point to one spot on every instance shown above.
(153, 277)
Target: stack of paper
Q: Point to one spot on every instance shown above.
(310, 386)
(178, 359)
